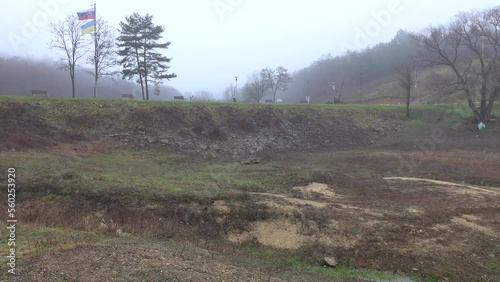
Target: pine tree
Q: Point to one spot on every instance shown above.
(138, 45)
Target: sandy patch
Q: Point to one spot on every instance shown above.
(278, 234)
(441, 227)
(414, 211)
(221, 207)
(294, 201)
(464, 221)
(471, 217)
(488, 190)
(322, 189)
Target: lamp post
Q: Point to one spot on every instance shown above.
(416, 76)
(361, 82)
(235, 90)
(333, 94)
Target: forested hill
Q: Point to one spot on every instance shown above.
(21, 75)
(374, 66)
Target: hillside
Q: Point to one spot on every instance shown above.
(165, 191)
(386, 90)
(214, 130)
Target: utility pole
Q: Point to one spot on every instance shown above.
(361, 82)
(96, 47)
(416, 77)
(333, 93)
(236, 89)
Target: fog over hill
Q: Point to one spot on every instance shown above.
(21, 75)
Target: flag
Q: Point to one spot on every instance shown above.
(88, 27)
(86, 15)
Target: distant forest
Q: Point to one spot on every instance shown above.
(21, 75)
(373, 66)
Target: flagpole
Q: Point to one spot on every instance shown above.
(95, 51)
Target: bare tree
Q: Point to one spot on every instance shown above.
(230, 93)
(405, 79)
(104, 58)
(68, 38)
(470, 47)
(256, 87)
(278, 80)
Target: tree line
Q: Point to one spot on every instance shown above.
(469, 46)
(20, 75)
(267, 82)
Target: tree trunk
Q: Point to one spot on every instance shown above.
(484, 90)
(146, 86)
(408, 98)
(472, 106)
(146, 73)
(139, 72)
(72, 75)
(73, 86)
(491, 103)
(468, 94)
(95, 85)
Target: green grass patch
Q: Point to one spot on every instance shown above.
(150, 173)
(418, 123)
(300, 266)
(33, 240)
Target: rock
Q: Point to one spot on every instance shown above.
(215, 147)
(164, 141)
(151, 140)
(331, 261)
(377, 129)
(203, 147)
(214, 155)
(251, 161)
(119, 231)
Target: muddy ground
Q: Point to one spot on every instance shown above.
(423, 202)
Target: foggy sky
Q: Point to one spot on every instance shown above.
(215, 40)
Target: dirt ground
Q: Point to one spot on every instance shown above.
(411, 203)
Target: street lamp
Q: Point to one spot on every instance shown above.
(236, 89)
(333, 94)
(361, 83)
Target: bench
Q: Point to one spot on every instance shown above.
(268, 101)
(128, 96)
(39, 93)
(178, 98)
(304, 102)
